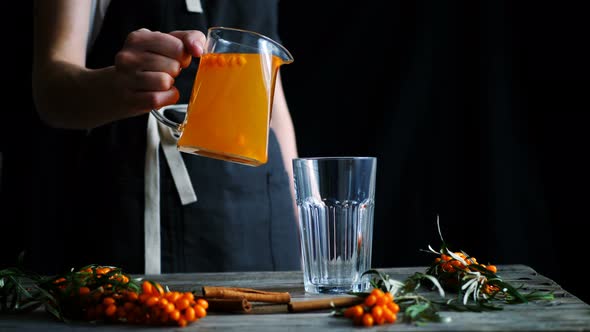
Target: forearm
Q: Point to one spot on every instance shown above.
(282, 125)
(65, 92)
(69, 96)
(283, 128)
(286, 136)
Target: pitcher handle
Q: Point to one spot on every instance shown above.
(159, 115)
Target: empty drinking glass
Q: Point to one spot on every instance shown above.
(335, 200)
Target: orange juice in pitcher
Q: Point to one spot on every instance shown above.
(230, 107)
(228, 115)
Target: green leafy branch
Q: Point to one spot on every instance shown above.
(22, 292)
(416, 307)
(477, 286)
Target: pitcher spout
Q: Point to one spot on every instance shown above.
(245, 42)
(269, 46)
(281, 52)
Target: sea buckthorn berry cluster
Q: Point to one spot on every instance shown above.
(98, 293)
(153, 306)
(106, 276)
(378, 308)
(449, 266)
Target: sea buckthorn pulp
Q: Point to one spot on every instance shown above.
(229, 111)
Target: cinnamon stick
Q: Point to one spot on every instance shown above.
(327, 303)
(229, 305)
(212, 292)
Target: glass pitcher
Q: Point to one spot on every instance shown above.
(228, 114)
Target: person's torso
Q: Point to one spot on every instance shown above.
(243, 219)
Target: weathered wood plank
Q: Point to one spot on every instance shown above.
(565, 313)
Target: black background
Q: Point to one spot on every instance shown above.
(477, 112)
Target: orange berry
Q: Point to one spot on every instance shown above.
(84, 291)
(175, 315)
(377, 312)
(389, 297)
(182, 303)
(377, 292)
(110, 310)
(391, 319)
(233, 60)
(203, 303)
(189, 314)
(147, 287)
(169, 307)
(163, 302)
(380, 321)
(152, 301)
(368, 320)
(357, 311)
(492, 268)
(456, 263)
(241, 60)
(447, 267)
(108, 300)
(383, 300)
(189, 296)
(388, 315)
(59, 280)
(370, 300)
(172, 296)
(143, 297)
(132, 296)
(394, 307)
(221, 61)
(200, 312)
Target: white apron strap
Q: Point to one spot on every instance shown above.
(152, 200)
(158, 133)
(178, 169)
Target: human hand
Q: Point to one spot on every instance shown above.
(148, 63)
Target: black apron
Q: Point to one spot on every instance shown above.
(243, 219)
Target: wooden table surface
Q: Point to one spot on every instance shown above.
(565, 313)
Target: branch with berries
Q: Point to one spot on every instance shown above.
(477, 287)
